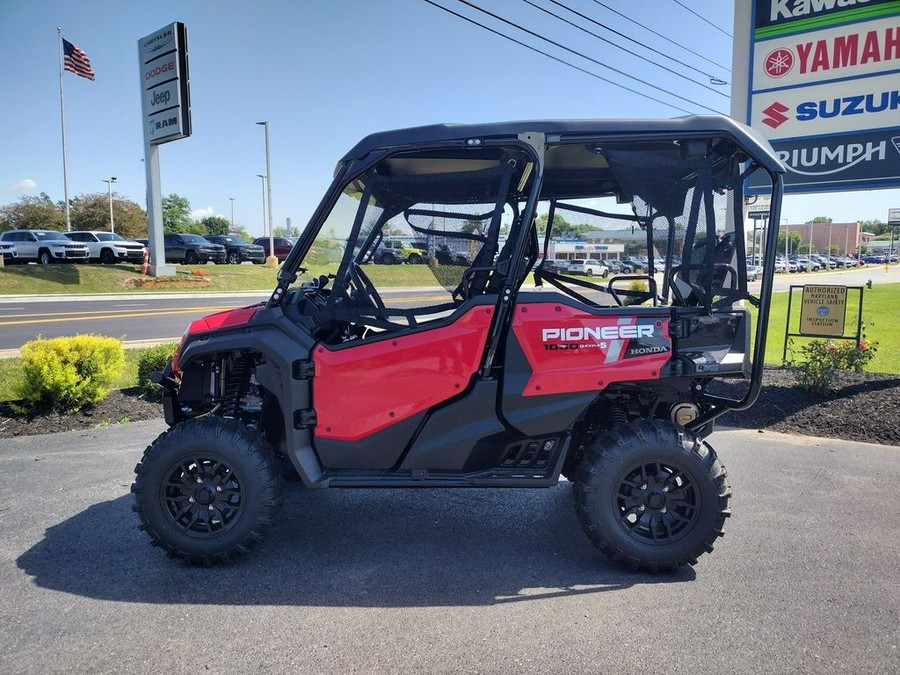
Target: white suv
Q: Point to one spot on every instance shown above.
(109, 247)
(45, 246)
(591, 268)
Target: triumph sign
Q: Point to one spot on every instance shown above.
(165, 87)
(822, 83)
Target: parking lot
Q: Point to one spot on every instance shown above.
(461, 581)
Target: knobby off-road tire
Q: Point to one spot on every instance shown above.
(652, 496)
(207, 490)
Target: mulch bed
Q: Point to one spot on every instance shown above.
(865, 407)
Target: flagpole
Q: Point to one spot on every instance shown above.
(62, 116)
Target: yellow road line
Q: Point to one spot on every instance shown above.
(106, 316)
(123, 310)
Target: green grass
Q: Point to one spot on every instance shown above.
(52, 279)
(881, 322)
(92, 279)
(11, 375)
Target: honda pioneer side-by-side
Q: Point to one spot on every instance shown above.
(484, 369)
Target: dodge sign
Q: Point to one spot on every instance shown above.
(165, 92)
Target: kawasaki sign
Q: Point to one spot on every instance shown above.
(820, 79)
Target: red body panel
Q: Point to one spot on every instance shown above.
(230, 317)
(363, 389)
(572, 350)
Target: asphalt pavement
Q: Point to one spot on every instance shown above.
(806, 579)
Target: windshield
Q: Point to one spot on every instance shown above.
(194, 239)
(46, 235)
(109, 236)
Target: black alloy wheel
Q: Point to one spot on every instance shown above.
(190, 258)
(657, 502)
(202, 495)
(107, 257)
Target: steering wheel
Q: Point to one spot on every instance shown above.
(363, 289)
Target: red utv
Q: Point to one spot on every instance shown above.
(498, 373)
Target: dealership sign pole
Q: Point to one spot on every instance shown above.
(821, 81)
(166, 116)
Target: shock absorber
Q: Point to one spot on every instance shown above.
(236, 386)
(613, 415)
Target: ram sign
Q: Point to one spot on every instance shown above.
(823, 85)
(165, 90)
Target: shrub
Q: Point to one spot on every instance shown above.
(68, 373)
(636, 286)
(152, 360)
(822, 359)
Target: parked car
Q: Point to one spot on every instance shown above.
(9, 251)
(591, 268)
(237, 250)
(618, 266)
(45, 246)
(191, 249)
(754, 272)
(393, 251)
(808, 265)
(283, 246)
(447, 256)
(108, 247)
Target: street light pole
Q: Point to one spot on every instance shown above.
(787, 251)
(231, 199)
(259, 175)
(109, 185)
(265, 126)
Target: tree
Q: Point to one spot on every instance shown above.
(874, 227)
(91, 212)
(33, 213)
(821, 219)
(794, 241)
(216, 225)
(176, 214)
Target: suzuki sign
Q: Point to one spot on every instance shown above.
(165, 87)
(821, 83)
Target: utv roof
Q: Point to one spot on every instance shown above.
(693, 125)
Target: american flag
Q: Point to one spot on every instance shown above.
(76, 61)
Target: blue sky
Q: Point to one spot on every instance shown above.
(324, 74)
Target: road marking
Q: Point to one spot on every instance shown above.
(57, 319)
(12, 309)
(88, 312)
(140, 304)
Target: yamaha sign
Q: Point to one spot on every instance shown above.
(819, 79)
(165, 86)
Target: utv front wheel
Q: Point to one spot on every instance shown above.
(652, 496)
(207, 490)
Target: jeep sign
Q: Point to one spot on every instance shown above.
(165, 93)
(822, 87)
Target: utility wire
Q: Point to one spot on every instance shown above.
(586, 57)
(660, 35)
(610, 42)
(702, 18)
(559, 60)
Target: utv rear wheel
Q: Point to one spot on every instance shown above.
(207, 490)
(652, 496)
